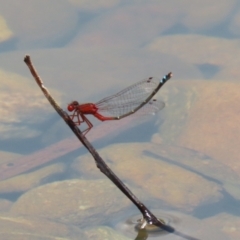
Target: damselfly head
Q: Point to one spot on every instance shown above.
(72, 106)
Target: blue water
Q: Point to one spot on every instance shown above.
(87, 50)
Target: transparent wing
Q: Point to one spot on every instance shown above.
(152, 107)
(128, 99)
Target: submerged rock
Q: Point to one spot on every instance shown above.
(81, 202)
(227, 224)
(166, 181)
(106, 233)
(24, 182)
(14, 227)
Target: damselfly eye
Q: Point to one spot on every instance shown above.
(70, 108)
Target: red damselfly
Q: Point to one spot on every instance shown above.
(120, 105)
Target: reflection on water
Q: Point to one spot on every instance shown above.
(132, 225)
(186, 227)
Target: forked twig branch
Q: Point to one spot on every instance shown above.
(148, 216)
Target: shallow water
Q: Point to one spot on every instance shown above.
(184, 161)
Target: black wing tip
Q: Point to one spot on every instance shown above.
(169, 75)
(166, 77)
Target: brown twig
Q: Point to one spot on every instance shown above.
(148, 216)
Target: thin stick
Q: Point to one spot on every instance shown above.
(148, 216)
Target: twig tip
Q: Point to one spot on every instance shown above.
(26, 58)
